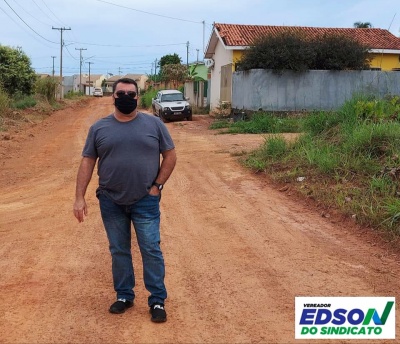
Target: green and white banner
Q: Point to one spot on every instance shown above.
(345, 318)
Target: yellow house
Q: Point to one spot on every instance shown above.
(228, 41)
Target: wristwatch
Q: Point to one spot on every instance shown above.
(159, 186)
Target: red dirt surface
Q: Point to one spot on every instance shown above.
(237, 249)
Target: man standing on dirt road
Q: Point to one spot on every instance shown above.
(128, 145)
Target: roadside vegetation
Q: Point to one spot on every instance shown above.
(25, 97)
(292, 50)
(260, 123)
(347, 159)
(145, 98)
(33, 106)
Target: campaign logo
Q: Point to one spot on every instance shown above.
(345, 317)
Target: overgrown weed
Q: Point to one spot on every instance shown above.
(349, 158)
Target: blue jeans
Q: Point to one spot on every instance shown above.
(145, 217)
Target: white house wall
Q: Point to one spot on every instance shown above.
(221, 58)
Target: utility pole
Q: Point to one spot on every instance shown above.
(155, 70)
(53, 57)
(187, 54)
(89, 76)
(61, 29)
(204, 33)
(151, 73)
(80, 67)
(197, 60)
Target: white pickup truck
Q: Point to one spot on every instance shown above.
(171, 105)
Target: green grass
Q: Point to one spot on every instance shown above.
(260, 123)
(4, 105)
(28, 108)
(74, 95)
(146, 98)
(274, 147)
(392, 213)
(219, 124)
(350, 157)
(23, 102)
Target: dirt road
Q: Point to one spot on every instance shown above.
(237, 250)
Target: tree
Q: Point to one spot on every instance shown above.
(169, 59)
(338, 52)
(175, 73)
(171, 69)
(293, 51)
(16, 73)
(47, 88)
(285, 50)
(193, 75)
(362, 25)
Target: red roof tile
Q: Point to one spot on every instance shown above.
(244, 35)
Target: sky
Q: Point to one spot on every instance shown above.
(118, 37)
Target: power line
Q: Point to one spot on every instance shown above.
(135, 64)
(52, 13)
(29, 14)
(125, 46)
(153, 14)
(119, 56)
(27, 24)
(119, 63)
(23, 28)
(66, 47)
(41, 9)
(58, 19)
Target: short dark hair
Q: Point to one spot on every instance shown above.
(125, 81)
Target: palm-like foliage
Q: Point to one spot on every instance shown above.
(362, 25)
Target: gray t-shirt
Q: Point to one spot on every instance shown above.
(129, 155)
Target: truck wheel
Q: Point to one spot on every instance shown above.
(189, 118)
(162, 117)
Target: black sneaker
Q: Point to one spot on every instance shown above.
(158, 313)
(120, 306)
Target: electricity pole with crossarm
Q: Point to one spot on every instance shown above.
(61, 29)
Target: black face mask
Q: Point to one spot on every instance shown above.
(125, 104)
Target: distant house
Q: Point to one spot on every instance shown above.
(139, 78)
(76, 82)
(43, 75)
(89, 82)
(228, 41)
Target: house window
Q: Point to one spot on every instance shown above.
(375, 68)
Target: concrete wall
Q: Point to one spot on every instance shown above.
(196, 99)
(312, 90)
(221, 58)
(68, 82)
